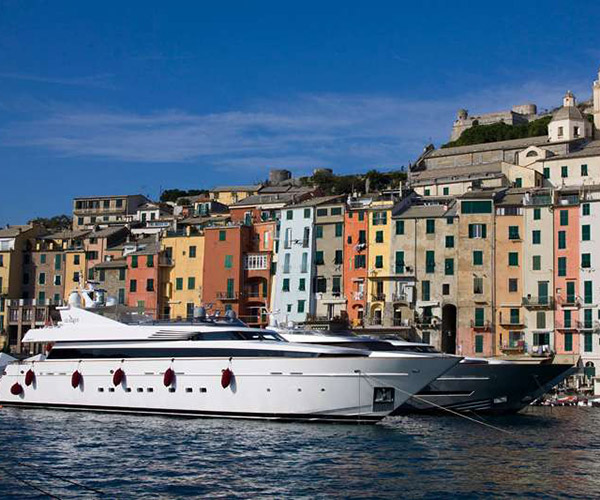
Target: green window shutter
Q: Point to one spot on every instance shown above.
(318, 231)
(339, 229)
(122, 274)
(478, 344)
(307, 213)
(584, 170)
(562, 266)
(586, 260)
(585, 208)
(476, 207)
(133, 286)
(587, 318)
(399, 262)
(192, 252)
(513, 232)
(518, 182)
(536, 237)
(479, 316)
(427, 192)
(425, 290)
(134, 261)
(564, 172)
(449, 267)
(546, 173)
(588, 292)
(586, 232)
(570, 291)
(191, 283)
(562, 240)
(430, 226)
(477, 258)
(449, 241)
(301, 285)
(399, 227)
(222, 235)
(339, 257)
(537, 214)
(319, 258)
(379, 237)
(42, 297)
(379, 261)
(301, 306)
(568, 341)
(514, 317)
(230, 287)
(513, 258)
(228, 261)
(178, 283)
(564, 217)
(150, 261)
(289, 215)
(286, 285)
(587, 342)
(429, 261)
(361, 215)
(536, 264)
(446, 191)
(57, 262)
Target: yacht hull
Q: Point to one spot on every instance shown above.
(314, 389)
(490, 388)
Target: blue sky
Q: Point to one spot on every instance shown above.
(127, 97)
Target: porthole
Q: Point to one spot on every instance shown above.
(171, 389)
(150, 389)
(128, 389)
(140, 389)
(100, 389)
(189, 389)
(202, 389)
(111, 389)
(299, 390)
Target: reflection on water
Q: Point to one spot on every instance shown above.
(549, 451)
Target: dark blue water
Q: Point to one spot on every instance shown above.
(550, 452)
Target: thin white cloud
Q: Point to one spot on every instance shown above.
(103, 80)
(341, 131)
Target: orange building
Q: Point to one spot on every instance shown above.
(356, 228)
(143, 280)
(566, 273)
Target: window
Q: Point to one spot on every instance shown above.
(564, 217)
(445, 289)
(379, 237)
(304, 265)
(585, 208)
(478, 344)
(587, 318)
(228, 261)
(430, 226)
(307, 213)
(322, 212)
(562, 266)
(513, 285)
(584, 170)
(287, 242)
(42, 279)
(536, 237)
(477, 285)
(546, 172)
(379, 218)
(477, 230)
(479, 316)
(318, 231)
(134, 261)
(568, 341)
(133, 285)
(289, 308)
(587, 342)
(361, 215)
(57, 262)
(80, 221)
(150, 261)
(562, 240)
(102, 275)
(339, 229)
(564, 172)
(518, 182)
(540, 321)
(336, 284)
(446, 191)
(567, 319)
(429, 261)
(586, 232)
(541, 339)
(537, 214)
(178, 283)
(320, 284)
(399, 262)
(513, 258)
(222, 235)
(360, 261)
(149, 285)
(306, 237)
(449, 241)
(536, 263)
(425, 290)
(286, 263)
(43, 258)
(289, 214)
(427, 192)
(478, 258)
(399, 227)
(362, 237)
(586, 260)
(379, 261)
(75, 277)
(336, 211)
(76, 260)
(286, 285)
(339, 257)
(449, 267)
(514, 317)
(476, 207)
(122, 274)
(513, 232)
(301, 306)
(57, 279)
(588, 292)
(302, 285)
(121, 296)
(560, 131)
(42, 297)
(191, 283)
(319, 258)
(192, 252)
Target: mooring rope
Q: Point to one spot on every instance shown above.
(29, 483)
(55, 476)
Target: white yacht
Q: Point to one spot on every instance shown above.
(209, 369)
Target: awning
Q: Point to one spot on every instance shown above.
(566, 359)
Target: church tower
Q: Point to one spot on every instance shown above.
(596, 97)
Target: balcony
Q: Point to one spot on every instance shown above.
(588, 326)
(572, 301)
(427, 321)
(514, 348)
(359, 295)
(569, 326)
(512, 322)
(481, 326)
(401, 297)
(228, 296)
(166, 261)
(402, 323)
(378, 297)
(544, 302)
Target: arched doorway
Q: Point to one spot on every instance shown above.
(449, 329)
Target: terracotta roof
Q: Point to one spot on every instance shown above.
(13, 231)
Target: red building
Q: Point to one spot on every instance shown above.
(356, 227)
(143, 279)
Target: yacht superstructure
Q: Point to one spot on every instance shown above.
(209, 369)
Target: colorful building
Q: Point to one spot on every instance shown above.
(143, 278)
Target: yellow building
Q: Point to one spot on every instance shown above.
(379, 270)
(181, 266)
(228, 195)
